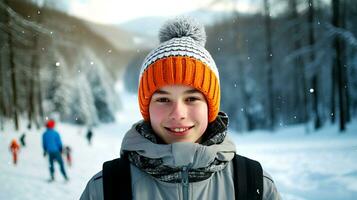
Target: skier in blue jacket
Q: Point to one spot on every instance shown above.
(52, 145)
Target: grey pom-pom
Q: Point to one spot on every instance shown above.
(183, 27)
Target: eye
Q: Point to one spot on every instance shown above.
(162, 100)
(192, 99)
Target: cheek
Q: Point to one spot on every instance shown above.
(157, 114)
(200, 114)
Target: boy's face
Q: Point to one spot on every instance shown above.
(178, 113)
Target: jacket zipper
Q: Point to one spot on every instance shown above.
(185, 182)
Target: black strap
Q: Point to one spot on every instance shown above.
(117, 179)
(248, 178)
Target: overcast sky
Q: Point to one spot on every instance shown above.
(117, 11)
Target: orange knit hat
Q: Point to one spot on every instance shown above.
(180, 59)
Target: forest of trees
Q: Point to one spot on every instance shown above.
(53, 66)
(297, 66)
(293, 62)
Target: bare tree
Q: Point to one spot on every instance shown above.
(299, 66)
(2, 95)
(338, 65)
(269, 56)
(344, 58)
(13, 69)
(315, 78)
(35, 77)
(2, 71)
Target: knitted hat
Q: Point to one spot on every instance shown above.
(50, 123)
(180, 59)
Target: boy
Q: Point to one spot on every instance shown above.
(180, 149)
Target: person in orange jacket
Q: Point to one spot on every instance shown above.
(14, 148)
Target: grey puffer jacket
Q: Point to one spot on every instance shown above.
(145, 187)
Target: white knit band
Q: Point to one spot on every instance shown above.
(184, 46)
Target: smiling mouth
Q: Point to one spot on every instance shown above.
(179, 131)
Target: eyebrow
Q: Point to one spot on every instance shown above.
(192, 91)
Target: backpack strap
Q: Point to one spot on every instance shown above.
(117, 179)
(248, 178)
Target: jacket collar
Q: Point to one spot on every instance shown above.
(215, 145)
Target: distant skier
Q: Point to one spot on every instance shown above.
(89, 136)
(52, 145)
(67, 152)
(22, 140)
(14, 148)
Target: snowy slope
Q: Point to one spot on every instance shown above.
(28, 180)
(313, 166)
(321, 165)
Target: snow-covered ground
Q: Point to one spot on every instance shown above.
(320, 165)
(314, 166)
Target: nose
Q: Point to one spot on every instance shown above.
(178, 111)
